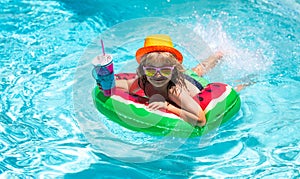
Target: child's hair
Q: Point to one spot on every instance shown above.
(161, 58)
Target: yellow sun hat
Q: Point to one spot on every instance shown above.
(158, 43)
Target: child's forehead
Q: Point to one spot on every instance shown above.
(157, 63)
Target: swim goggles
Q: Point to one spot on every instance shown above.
(164, 71)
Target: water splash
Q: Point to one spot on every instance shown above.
(238, 62)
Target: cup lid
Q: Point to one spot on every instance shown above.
(102, 60)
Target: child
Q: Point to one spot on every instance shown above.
(161, 75)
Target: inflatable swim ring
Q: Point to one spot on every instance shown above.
(219, 101)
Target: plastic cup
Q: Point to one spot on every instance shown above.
(103, 73)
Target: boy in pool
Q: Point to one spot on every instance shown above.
(160, 75)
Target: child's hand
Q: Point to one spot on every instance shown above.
(157, 105)
(156, 102)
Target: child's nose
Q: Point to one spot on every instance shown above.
(157, 74)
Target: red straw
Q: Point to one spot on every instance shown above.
(102, 47)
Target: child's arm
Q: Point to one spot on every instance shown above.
(189, 109)
(128, 85)
(124, 84)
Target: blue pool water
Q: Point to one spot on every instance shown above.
(50, 129)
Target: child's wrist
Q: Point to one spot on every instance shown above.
(173, 109)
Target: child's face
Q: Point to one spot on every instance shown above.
(158, 75)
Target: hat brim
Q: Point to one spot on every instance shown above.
(144, 50)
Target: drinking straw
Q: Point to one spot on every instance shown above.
(102, 45)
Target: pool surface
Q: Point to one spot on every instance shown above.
(49, 127)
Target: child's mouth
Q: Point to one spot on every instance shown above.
(159, 79)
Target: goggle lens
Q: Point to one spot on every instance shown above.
(164, 71)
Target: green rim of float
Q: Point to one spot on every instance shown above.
(134, 115)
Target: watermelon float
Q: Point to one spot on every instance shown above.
(219, 101)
